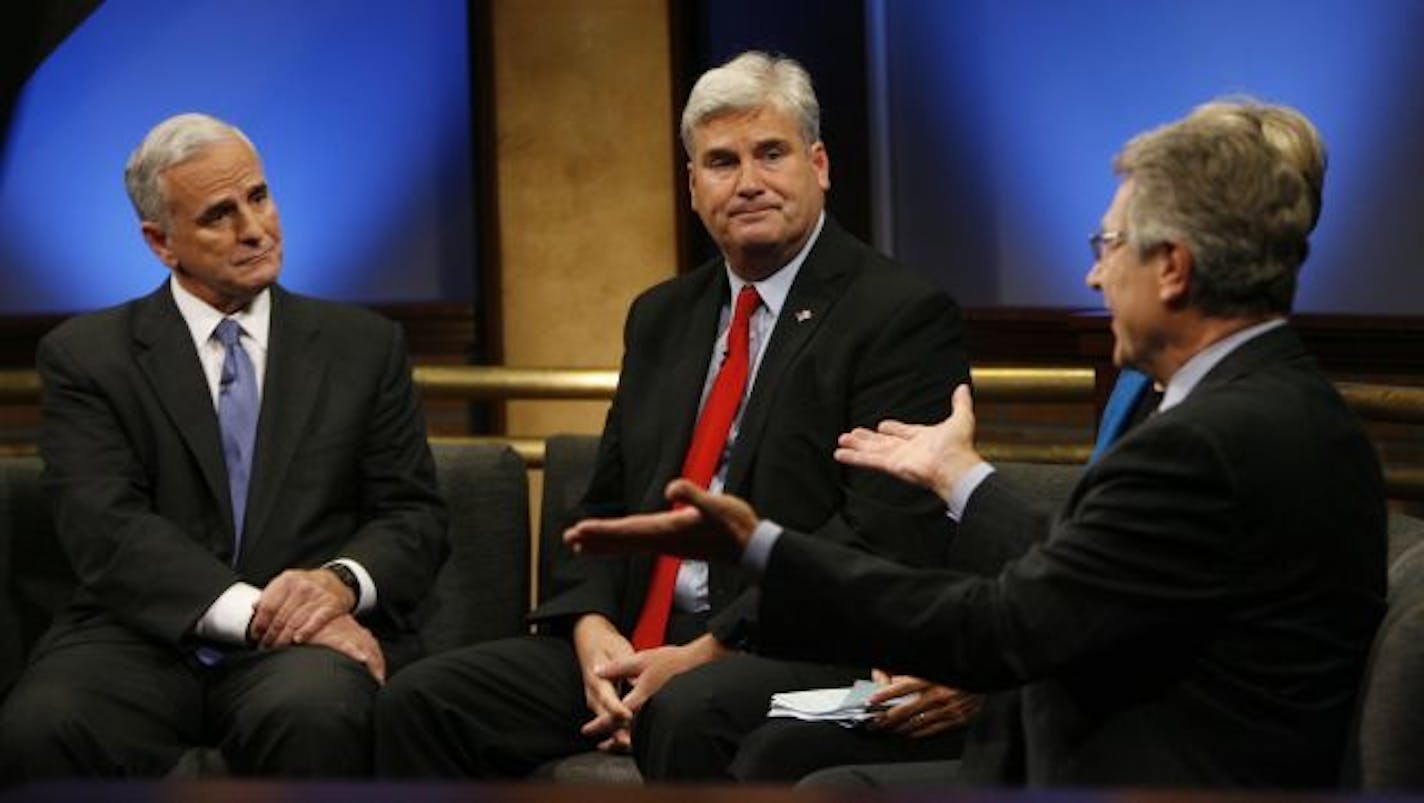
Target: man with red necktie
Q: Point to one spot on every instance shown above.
(738, 376)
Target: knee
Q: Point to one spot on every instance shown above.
(37, 723)
(410, 695)
(679, 707)
(325, 688)
(770, 754)
(313, 717)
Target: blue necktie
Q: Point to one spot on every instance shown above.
(237, 418)
(1130, 387)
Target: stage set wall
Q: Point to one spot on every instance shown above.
(973, 139)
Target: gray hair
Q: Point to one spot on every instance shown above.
(750, 81)
(1240, 183)
(171, 142)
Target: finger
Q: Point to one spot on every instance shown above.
(898, 718)
(635, 698)
(262, 614)
(688, 493)
(890, 720)
(315, 621)
(618, 742)
(624, 667)
(853, 438)
(638, 533)
(861, 439)
(284, 623)
(897, 429)
(857, 458)
(599, 725)
(604, 700)
(962, 401)
(276, 636)
(930, 727)
(897, 687)
(879, 676)
(377, 664)
(351, 650)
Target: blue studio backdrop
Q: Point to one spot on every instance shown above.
(361, 112)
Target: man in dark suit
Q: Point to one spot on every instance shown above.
(832, 333)
(1200, 611)
(252, 520)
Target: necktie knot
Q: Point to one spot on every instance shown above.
(747, 302)
(228, 332)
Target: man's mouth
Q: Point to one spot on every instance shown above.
(255, 258)
(751, 210)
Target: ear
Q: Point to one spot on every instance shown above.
(821, 163)
(1174, 273)
(157, 240)
(692, 185)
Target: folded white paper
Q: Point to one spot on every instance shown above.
(844, 706)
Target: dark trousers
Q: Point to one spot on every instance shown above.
(787, 750)
(493, 710)
(502, 708)
(131, 707)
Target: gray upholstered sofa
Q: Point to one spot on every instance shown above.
(482, 591)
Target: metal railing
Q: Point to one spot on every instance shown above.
(1373, 402)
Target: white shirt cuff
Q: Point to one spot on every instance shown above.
(226, 620)
(367, 598)
(965, 488)
(758, 549)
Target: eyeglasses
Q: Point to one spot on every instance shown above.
(1101, 241)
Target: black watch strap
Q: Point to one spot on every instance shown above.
(348, 579)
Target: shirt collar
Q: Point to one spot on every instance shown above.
(1186, 378)
(255, 319)
(774, 288)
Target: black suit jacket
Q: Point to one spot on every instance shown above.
(859, 339)
(134, 463)
(1198, 615)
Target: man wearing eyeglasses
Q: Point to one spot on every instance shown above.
(1200, 611)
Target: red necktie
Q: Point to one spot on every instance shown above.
(703, 456)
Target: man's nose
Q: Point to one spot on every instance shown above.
(1094, 278)
(749, 179)
(249, 226)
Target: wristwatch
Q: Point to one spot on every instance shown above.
(348, 579)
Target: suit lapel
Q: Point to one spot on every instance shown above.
(816, 289)
(165, 355)
(683, 384)
(294, 378)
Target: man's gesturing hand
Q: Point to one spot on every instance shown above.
(932, 457)
(702, 526)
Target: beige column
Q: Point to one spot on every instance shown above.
(585, 189)
(585, 186)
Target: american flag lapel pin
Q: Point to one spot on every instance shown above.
(803, 315)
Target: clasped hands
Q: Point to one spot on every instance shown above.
(313, 606)
(717, 527)
(608, 662)
(610, 665)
